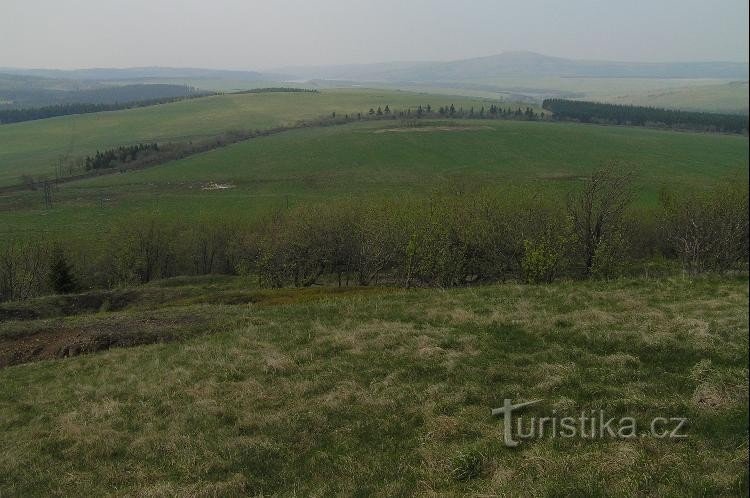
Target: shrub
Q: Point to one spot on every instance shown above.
(540, 261)
(23, 270)
(708, 231)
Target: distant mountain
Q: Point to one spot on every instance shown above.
(137, 73)
(26, 82)
(518, 64)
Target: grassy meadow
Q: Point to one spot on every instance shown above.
(240, 391)
(34, 147)
(729, 98)
(378, 159)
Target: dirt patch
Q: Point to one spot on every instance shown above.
(51, 342)
(427, 129)
(218, 186)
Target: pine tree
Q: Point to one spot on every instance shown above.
(61, 277)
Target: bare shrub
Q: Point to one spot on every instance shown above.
(708, 231)
(24, 268)
(597, 209)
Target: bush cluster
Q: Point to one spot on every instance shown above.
(443, 240)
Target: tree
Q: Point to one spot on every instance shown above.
(597, 209)
(61, 278)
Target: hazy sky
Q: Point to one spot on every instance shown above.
(251, 34)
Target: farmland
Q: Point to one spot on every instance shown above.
(726, 97)
(34, 148)
(378, 159)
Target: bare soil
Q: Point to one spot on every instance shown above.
(52, 342)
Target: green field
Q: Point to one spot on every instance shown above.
(386, 392)
(34, 147)
(363, 159)
(729, 98)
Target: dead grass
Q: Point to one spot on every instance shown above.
(389, 393)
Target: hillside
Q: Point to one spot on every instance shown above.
(34, 148)
(240, 391)
(727, 97)
(378, 159)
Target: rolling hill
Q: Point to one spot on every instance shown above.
(726, 97)
(23, 92)
(377, 159)
(135, 73)
(520, 64)
(33, 148)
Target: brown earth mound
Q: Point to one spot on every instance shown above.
(50, 342)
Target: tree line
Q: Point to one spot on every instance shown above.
(493, 111)
(31, 114)
(451, 238)
(118, 156)
(594, 112)
(8, 116)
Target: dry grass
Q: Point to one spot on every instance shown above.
(390, 393)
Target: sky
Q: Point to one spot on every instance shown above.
(252, 34)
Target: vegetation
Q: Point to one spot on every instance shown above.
(370, 160)
(30, 114)
(71, 169)
(120, 155)
(72, 97)
(447, 240)
(61, 278)
(318, 392)
(727, 98)
(305, 309)
(35, 148)
(588, 112)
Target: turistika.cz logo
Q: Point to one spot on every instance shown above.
(589, 425)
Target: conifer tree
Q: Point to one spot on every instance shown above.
(61, 277)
